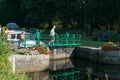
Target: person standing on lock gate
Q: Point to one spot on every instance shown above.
(52, 34)
(37, 37)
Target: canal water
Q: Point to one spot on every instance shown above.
(77, 69)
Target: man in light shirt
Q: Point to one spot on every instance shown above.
(52, 34)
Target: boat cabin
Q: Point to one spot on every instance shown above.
(13, 35)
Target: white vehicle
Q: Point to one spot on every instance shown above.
(13, 35)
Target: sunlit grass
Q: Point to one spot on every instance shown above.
(91, 43)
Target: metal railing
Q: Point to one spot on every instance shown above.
(59, 40)
(62, 39)
(68, 74)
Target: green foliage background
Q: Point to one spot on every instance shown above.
(62, 13)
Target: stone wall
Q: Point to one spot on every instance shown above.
(29, 62)
(98, 55)
(110, 57)
(61, 53)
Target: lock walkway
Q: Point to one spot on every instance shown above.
(60, 40)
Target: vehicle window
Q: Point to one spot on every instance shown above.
(18, 36)
(30, 37)
(12, 36)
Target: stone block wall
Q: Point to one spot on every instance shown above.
(98, 55)
(61, 53)
(29, 63)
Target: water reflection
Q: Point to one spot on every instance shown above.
(67, 74)
(99, 71)
(42, 75)
(61, 64)
(77, 69)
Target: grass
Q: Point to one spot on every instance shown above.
(5, 67)
(87, 41)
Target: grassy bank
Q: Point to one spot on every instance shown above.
(5, 67)
(87, 41)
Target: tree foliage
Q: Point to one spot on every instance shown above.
(63, 13)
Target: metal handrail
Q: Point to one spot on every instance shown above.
(60, 39)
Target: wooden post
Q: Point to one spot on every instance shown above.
(13, 64)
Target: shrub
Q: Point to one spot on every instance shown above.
(107, 36)
(5, 68)
(110, 46)
(4, 54)
(114, 37)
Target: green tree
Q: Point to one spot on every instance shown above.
(10, 11)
